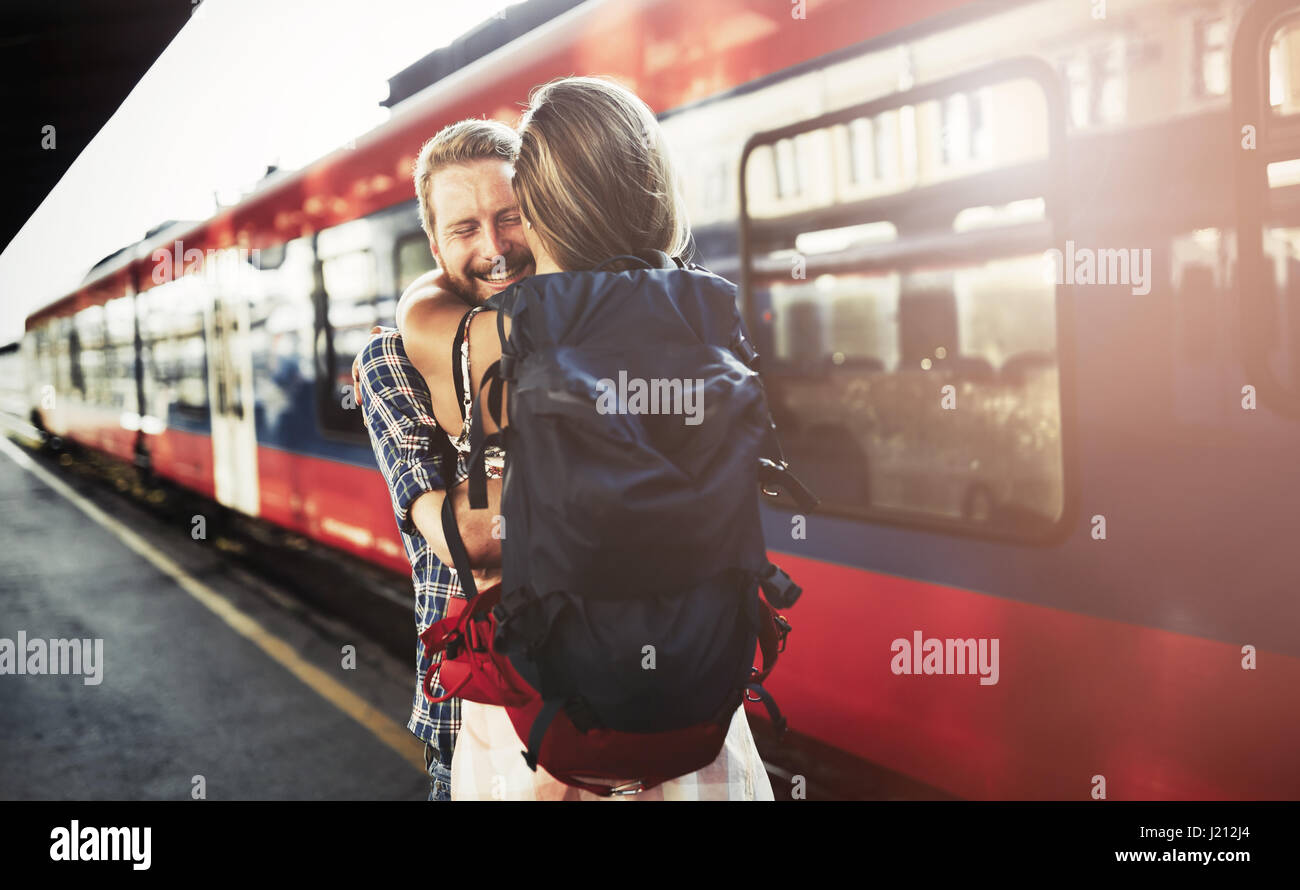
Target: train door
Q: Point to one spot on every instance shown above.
(230, 384)
(1266, 105)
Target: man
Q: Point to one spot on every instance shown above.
(469, 213)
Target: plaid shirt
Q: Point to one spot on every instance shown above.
(399, 418)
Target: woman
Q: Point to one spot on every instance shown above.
(593, 181)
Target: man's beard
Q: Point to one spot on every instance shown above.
(474, 289)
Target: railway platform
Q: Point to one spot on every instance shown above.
(199, 678)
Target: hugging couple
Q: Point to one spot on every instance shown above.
(584, 179)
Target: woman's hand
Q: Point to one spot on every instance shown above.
(356, 366)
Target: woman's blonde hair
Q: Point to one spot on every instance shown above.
(593, 174)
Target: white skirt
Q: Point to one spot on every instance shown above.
(487, 765)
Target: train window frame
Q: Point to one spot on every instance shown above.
(402, 242)
(1277, 139)
(1057, 528)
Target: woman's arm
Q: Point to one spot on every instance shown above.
(476, 528)
(428, 316)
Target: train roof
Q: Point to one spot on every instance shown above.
(489, 35)
(665, 50)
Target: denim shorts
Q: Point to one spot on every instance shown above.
(439, 770)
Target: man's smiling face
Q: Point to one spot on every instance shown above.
(478, 231)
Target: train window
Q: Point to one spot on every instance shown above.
(955, 135)
(90, 365)
(350, 276)
(192, 386)
(786, 168)
(119, 318)
(268, 259)
(351, 291)
(61, 336)
(910, 346)
(991, 127)
(1284, 70)
(413, 260)
(180, 373)
(1110, 83)
(1096, 79)
(926, 392)
(1074, 72)
(87, 354)
(883, 161)
(858, 136)
(172, 334)
(281, 322)
(963, 135)
(792, 175)
(1210, 56)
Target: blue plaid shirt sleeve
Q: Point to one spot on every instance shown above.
(402, 429)
(401, 425)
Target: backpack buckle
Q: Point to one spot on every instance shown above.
(780, 591)
(636, 786)
(768, 471)
(773, 473)
(452, 649)
(783, 629)
(745, 351)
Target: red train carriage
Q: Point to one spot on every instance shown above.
(1024, 279)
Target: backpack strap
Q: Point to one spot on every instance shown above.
(459, 555)
(538, 731)
(773, 471)
(479, 442)
(760, 694)
(772, 632)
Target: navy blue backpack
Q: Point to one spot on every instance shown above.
(635, 581)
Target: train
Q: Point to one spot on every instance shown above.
(1025, 280)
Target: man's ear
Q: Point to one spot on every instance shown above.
(433, 249)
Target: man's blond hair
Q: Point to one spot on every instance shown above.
(460, 143)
